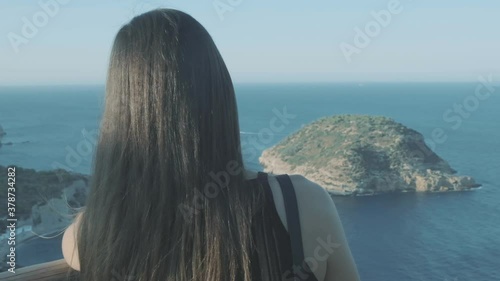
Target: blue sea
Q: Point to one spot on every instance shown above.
(439, 237)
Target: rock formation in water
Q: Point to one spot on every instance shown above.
(2, 133)
(363, 155)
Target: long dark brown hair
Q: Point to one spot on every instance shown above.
(168, 197)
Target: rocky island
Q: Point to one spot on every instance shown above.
(363, 155)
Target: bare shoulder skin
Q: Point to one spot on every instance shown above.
(69, 248)
(323, 235)
(325, 246)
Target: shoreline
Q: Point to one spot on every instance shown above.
(472, 189)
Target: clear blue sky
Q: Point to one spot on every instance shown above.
(266, 41)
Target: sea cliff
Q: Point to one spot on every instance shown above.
(363, 155)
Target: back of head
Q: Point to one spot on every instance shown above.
(168, 198)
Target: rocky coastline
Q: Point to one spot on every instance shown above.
(46, 202)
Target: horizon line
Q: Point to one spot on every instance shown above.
(270, 83)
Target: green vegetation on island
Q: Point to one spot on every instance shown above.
(359, 154)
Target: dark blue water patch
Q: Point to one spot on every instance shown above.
(422, 236)
(38, 250)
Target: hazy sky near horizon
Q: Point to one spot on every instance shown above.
(265, 41)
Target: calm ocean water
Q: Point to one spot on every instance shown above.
(442, 237)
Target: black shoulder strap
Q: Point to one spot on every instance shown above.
(292, 219)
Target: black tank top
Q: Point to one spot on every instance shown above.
(288, 255)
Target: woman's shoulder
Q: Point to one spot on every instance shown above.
(308, 190)
(324, 240)
(69, 244)
(302, 185)
(315, 207)
(323, 237)
(309, 194)
(311, 197)
(314, 203)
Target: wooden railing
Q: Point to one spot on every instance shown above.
(51, 271)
